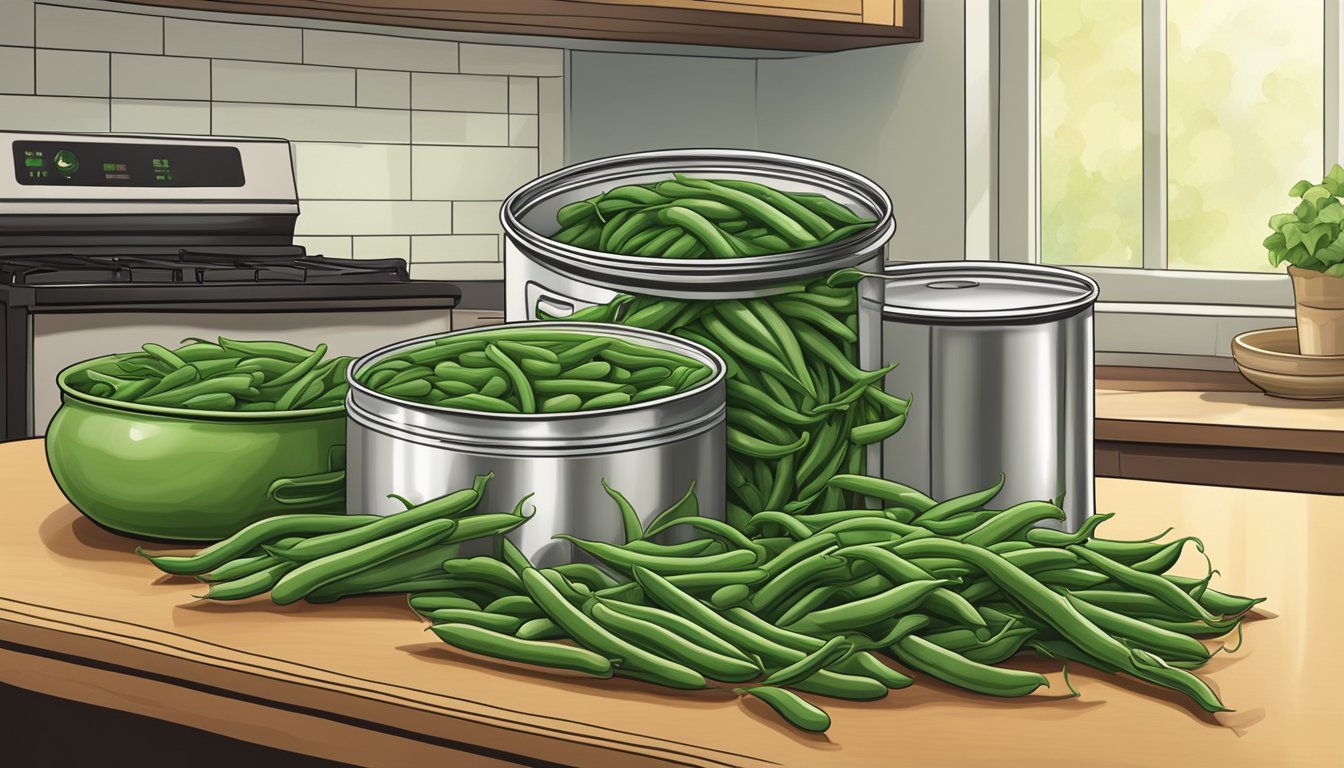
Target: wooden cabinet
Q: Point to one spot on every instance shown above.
(791, 25)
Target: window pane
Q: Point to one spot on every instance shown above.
(1091, 105)
(1245, 121)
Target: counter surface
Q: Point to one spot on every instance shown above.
(82, 617)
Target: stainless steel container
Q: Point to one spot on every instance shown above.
(998, 358)
(651, 452)
(561, 279)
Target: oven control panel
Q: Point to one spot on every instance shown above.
(110, 164)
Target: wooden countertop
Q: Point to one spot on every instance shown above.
(83, 618)
(1214, 408)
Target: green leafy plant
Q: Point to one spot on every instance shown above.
(1310, 237)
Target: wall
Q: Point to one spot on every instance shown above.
(403, 146)
(896, 114)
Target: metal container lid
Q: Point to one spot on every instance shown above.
(981, 293)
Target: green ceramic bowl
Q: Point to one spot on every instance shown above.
(169, 473)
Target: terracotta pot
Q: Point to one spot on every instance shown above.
(1320, 312)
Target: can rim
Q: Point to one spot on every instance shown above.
(1039, 274)
(716, 364)
(664, 276)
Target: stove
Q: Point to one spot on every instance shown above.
(111, 241)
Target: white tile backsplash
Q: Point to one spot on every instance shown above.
(312, 123)
(90, 30)
(460, 93)
(477, 218)
(16, 22)
(403, 145)
(350, 49)
(457, 270)
(46, 113)
(231, 40)
(470, 173)
(16, 70)
(72, 73)
(160, 116)
(512, 60)
(474, 128)
(282, 83)
(350, 171)
(522, 130)
(383, 247)
(382, 88)
(374, 217)
(440, 248)
(523, 95)
(160, 77)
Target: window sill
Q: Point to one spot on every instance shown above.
(1214, 428)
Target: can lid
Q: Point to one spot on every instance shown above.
(962, 292)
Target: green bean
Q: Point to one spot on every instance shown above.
(684, 549)
(581, 387)
(1167, 557)
(886, 490)
(1009, 522)
(749, 396)
(279, 350)
(316, 573)
(492, 621)
(1169, 645)
(832, 652)
(757, 208)
(797, 711)
(561, 404)
(1047, 537)
(1216, 601)
(752, 354)
(670, 644)
(593, 636)
(1130, 603)
(540, 629)
(250, 585)
(480, 403)
(963, 503)
(485, 642)
(957, 670)
(864, 612)
(431, 601)
(625, 560)
(1064, 618)
(1073, 578)
(896, 569)
(679, 625)
(608, 400)
(244, 566)
(1149, 583)
(450, 505)
(743, 443)
(521, 385)
(486, 569)
(251, 537)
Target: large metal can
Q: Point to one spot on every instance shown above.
(651, 452)
(549, 278)
(998, 358)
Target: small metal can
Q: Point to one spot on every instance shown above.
(998, 359)
(652, 452)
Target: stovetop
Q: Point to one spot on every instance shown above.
(186, 266)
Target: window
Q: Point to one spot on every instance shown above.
(1160, 136)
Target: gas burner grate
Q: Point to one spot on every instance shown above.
(185, 266)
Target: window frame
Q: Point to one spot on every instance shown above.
(1149, 316)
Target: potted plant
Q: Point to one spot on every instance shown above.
(1311, 241)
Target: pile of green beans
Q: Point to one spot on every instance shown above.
(691, 218)
(529, 370)
(227, 375)
(799, 407)
(322, 558)
(947, 589)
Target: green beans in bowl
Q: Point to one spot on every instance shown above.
(146, 446)
(526, 370)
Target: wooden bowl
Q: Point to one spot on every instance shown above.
(1270, 360)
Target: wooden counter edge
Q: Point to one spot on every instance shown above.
(98, 648)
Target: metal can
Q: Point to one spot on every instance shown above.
(557, 279)
(999, 360)
(651, 452)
